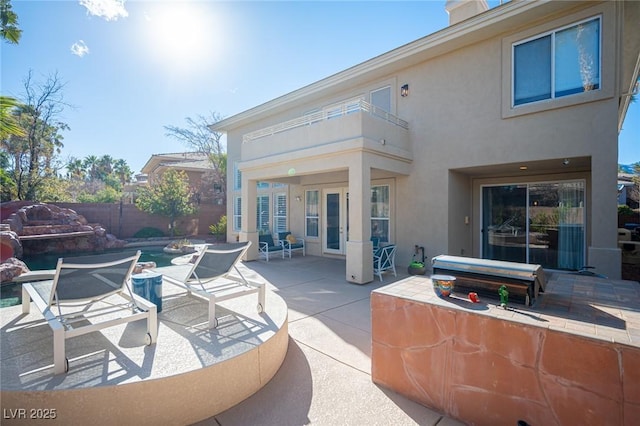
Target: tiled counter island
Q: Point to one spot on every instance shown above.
(573, 358)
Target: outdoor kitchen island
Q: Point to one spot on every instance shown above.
(573, 358)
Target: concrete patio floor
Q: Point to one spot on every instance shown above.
(326, 375)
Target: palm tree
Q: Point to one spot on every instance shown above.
(75, 169)
(123, 171)
(105, 166)
(9, 30)
(91, 166)
(8, 123)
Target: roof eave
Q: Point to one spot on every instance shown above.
(435, 44)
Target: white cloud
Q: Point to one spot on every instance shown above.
(110, 10)
(79, 48)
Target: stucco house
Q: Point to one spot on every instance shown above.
(495, 138)
(198, 169)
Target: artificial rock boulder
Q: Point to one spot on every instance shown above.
(11, 268)
(9, 243)
(46, 228)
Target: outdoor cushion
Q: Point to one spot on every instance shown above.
(266, 246)
(268, 238)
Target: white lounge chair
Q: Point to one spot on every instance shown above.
(384, 259)
(210, 277)
(89, 288)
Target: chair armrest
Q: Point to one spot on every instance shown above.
(263, 246)
(286, 243)
(30, 276)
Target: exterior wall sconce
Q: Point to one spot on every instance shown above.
(404, 91)
(298, 198)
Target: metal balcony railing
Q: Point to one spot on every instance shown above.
(329, 113)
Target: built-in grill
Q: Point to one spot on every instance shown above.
(485, 277)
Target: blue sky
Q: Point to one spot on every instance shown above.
(133, 67)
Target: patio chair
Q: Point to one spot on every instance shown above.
(88, 289)
(376, 243)
(267, 246)
(209, 277)
(384, 259)
(290, 242)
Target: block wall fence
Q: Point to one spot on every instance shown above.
(124, 220)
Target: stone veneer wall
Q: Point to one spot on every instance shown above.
(488, 371)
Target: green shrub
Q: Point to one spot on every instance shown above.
(149, 232)
(220, 228)
(625, 210)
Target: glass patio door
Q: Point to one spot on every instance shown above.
(504, 223)
(336, 220)
(539, 223)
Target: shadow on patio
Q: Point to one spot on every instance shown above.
(326, 375)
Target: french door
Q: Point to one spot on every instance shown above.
(539, 223)
(336, 220)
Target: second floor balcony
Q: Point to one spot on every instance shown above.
(346, 126)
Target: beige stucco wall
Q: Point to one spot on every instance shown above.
(463, 131)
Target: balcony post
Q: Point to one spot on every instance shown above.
(359, 245)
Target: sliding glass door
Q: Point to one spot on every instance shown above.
(540, 223)
(504, 223)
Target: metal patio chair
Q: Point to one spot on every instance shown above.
(384, 259)
(291, 243)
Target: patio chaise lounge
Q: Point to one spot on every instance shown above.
(210, 277)
(89, 293)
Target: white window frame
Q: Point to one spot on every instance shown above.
(237, 177)
(307, 217)
(260, 220)
(552, 33)
(388, 88)
(237, 213)
(280, 216)
(386, 218)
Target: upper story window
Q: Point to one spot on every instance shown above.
(556, 64)
(381, 98)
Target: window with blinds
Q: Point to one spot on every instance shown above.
(312, 213)
(280, 212)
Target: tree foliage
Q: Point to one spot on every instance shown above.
(32, 155)
(9, 126)
(9, 30)
(199, 137)
(97, 179)
(169, 195)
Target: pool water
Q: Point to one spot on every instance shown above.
(49, 260)
(11, 294)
